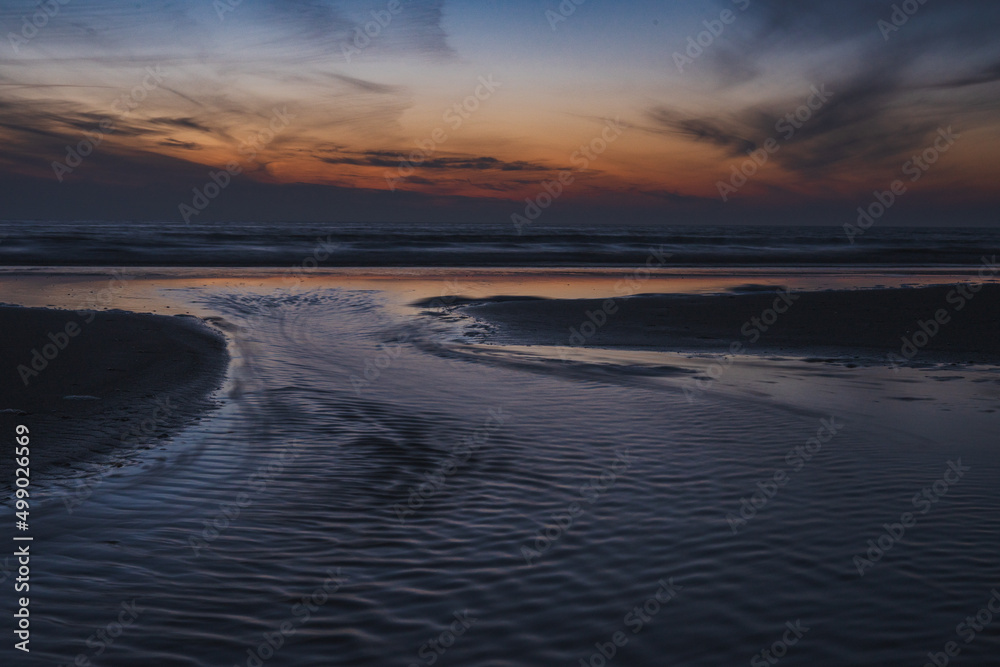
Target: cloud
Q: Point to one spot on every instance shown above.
(342, 32)
(481, 164)
(717, 132)
(367, 159)
(987, 74)
(396, 158)
(886, 100)
(863, 122)
(186, 145)
(363, 85)
(185, 123)
(224, 75)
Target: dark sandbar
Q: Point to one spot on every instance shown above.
(123, 380)
(865, 324)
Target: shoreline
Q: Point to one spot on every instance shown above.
(937, 324)
(90, 384)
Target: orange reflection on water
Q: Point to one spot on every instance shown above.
(156, 290)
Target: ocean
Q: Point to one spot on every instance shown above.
(89, 243)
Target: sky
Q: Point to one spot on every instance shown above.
(690, 112)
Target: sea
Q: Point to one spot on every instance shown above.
(95, 243)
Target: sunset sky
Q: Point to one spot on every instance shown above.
(169, 92)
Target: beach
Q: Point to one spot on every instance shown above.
(407, 450)
(500, 334)
(97, 384)
(939, 324)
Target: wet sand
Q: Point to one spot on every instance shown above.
(950, 324)
(89, 384)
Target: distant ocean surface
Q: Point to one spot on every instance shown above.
(88, 243)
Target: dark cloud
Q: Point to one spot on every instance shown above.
(987, 74)
(186, 123)
(370, 159)
(313, 20)
(397, 158)
(22, 128)
(721, 133)
(481, 163)
(366, 86)
(327, 32)
(186, 145)
(861, 122)
(769, 26)
(886, 98)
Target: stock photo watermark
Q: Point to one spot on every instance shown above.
(141, 429)
(57, 341)
(592, 491)
(899, 17)
(460, 455)
(296, 274)
(752, 330)
(123, 106)
(364, 35)
(787, 126)
(594, 320)
(105, 637)
(915, 168)
(795, 460)
(454, 116)
(926, 330)
(697, 44)
(922, 502)
(301, 613)
(31, 26)
(779, 649)
(635, 620)
(432, 650)
(581, 160)
(223, 7)
(391, 350)
(374, 365)
(967, 630)
(229, 512)
(221, 179)
(566, 9)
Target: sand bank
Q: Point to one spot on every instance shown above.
(914, 325)
(90, 383)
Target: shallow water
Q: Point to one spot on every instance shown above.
(648, 471)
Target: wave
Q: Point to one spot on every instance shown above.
(88, 243)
